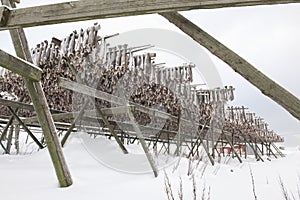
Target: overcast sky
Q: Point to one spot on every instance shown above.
(266, 36)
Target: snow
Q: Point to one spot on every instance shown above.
(101, 171)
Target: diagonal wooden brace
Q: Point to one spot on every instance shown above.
(20, 66)
(25, 128)
(266, 85)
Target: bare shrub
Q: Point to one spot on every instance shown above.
(168, 188)
(180, 192)
(170, 195)
(284, 190)
(253, 184)
(194, 188)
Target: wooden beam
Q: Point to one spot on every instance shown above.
(87, 113)
(49, 131)
(41, 107)
(16, 104)
(25, 106)
(20, 66)
(142, 140)
(98, 9)
(267, 86)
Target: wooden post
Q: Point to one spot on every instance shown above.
(267, 86)
(141, 139)
(9, 139)
(50, 134)
(41, 107)
(17, 134)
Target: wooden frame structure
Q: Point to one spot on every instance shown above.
(14, 19)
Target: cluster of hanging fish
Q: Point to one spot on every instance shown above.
(88, 58)
(249, 125)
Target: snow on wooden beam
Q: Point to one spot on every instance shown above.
(95, 9)
(20, 66)
(267, 86)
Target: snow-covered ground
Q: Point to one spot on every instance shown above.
(101, 171)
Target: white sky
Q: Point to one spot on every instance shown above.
(266, 36)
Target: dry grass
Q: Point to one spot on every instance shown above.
(284, 190)
(289, 195)
(253, 184)
(205, 195)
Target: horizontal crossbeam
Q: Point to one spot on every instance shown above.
(98, 9)
(87, 113)
(21, 105)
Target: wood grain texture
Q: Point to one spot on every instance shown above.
(94, 9)
(20, 66)
(41, 107)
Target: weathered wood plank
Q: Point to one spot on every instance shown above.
(47, 124)
(20, 66)
(20, 105)
(140, 137)
(94, 9)
(16, 104)
(41, 107)
(267, 86)
(87, 113)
